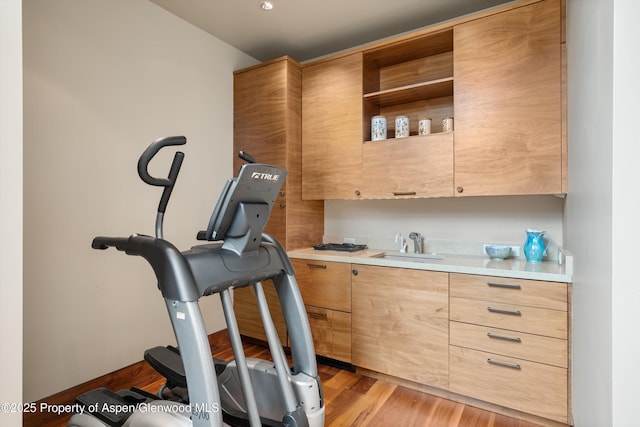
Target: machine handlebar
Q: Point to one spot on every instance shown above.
(174, 275)
(120, 243)
(169, 182)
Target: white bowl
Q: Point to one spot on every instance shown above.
(498, 251)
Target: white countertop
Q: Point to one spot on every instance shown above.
(452, 263)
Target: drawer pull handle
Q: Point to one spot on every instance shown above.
(404, 193)
(314, 315)
(503, 364)
(503, 311)
(321, 266)
(503, 285)
(502, 337)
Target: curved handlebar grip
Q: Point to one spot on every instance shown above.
(102, 243)
(174, 275)
(246, 157)
(151, 151)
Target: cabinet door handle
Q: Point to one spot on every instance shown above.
(502, 337)
(404, 193)
(320, 266)
(315, 315)
(503, 364)
(503, 285)
(503, 311)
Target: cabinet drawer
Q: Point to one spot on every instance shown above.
(532, 293)
(324, 284)
(522, 385)
(551, 351)
(533, 320)
(331, 331)
(248, 315)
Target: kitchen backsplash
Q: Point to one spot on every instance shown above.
(453, 225)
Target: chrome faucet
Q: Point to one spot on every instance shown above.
(417, 242)
(403, 244)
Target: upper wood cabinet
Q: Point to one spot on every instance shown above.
(508, 103)
(332, 131)
(498, 73)
(412, 78)
(267, 124)
(418, 166)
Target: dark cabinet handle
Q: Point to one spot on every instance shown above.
(504, 338)
(357, 192)
(459, 189)
(354, 272)
(503, 311)
(503, 285)
(315, 315)
(503, 364)
(320, 266)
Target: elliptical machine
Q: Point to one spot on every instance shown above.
(244, 391)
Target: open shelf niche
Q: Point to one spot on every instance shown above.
(413, 78)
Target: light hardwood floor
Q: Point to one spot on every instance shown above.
(351, 399)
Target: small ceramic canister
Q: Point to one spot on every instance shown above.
(402, 127)
(447, 124)
(424, 127)
(378, 128)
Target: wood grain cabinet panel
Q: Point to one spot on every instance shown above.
(331, 331)
(539, 348)
(400, 323)
(508, 106)
(267, 124)
(534, 293)
(326, 291)
(324, 284)
(248, 316)
(420, 166)
(509, 343)
(519, 384)
(508, 316)
(332, 131)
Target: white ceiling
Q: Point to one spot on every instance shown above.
(305, 29)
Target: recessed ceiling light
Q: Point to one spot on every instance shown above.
(265, 5)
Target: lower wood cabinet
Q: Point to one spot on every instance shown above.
(326, 291)
(498, 340)
(248, 316)
(509, 343)
(520, 384)
(400, 323)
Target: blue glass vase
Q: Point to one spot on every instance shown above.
(535, 247)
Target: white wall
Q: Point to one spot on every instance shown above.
(626, 212)
(102, 80)
(11, 208)
(602, 209)
(465, 219)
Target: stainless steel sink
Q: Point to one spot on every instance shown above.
(428, 258)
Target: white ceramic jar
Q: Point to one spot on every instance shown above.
(447, 124)
(424, 127)
(402, 127)
(378, 128)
